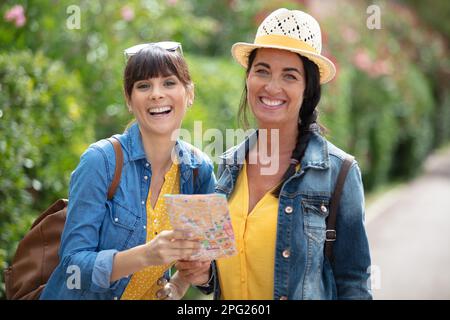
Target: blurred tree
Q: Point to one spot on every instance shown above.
(434, 14)
(43, 130)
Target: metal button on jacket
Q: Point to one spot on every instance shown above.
(286, 253)
(288, 209)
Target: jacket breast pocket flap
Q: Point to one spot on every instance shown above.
(122, 217)
(315, 212)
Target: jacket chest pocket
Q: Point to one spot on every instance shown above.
(119, 226)
(315, 213)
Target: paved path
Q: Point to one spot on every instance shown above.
(409, 235)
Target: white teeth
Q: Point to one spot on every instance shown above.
(272, 102)
(159, 109)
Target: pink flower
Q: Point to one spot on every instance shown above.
(350, 35)
(374, 68)
(172, 2)
(16, 14)
(127, 13)
(381, 67)
(362, 60)
(20, 21)
(232, 4)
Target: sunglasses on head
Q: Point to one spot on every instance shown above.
(171, 46)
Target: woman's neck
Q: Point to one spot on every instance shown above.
(285, 137)
(158, 151)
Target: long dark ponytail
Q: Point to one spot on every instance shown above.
(307, 113)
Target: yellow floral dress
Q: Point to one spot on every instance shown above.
(144, 284)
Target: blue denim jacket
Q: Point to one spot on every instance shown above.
(97, 228)
(306, 273)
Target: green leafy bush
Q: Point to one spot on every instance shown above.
(42, 133)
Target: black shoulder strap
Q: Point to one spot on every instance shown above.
(119, 164)
(334, 206)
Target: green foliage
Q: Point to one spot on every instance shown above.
(43, 130)
(217, 87)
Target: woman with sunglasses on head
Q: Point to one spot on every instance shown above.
(280, 218)
(123, 248)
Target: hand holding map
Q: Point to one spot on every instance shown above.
(207, 217)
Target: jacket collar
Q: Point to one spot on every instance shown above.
(316, 154)
(134, 142)
(185, 154)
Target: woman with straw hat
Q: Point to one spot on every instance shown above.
(280, 218)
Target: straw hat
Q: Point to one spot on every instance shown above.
(291, 30)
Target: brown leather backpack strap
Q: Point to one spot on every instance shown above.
(195, 176)
(334, 206)
(119, 164)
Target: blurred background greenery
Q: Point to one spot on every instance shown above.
(60, 88)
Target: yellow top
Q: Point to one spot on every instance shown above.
(249, 275)
(143, 284)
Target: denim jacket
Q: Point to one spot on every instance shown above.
(97, 228)
(306, 273)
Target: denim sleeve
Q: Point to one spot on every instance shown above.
(209, 287)
(351, 250)
(86, 211)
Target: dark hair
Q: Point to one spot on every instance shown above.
(154, 62)
(307, 113)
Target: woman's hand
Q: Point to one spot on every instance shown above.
(196, 272)
(166, 248)
(170, 246)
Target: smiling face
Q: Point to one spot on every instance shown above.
(158, 90)
(159, 104)
(275, 87)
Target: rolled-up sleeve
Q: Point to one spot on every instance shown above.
(101, 272)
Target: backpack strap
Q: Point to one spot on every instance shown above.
(118, 170)
(334, 206)
(195, 176)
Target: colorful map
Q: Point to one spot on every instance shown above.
(207, 217)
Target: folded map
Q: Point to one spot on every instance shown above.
(208, 218)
